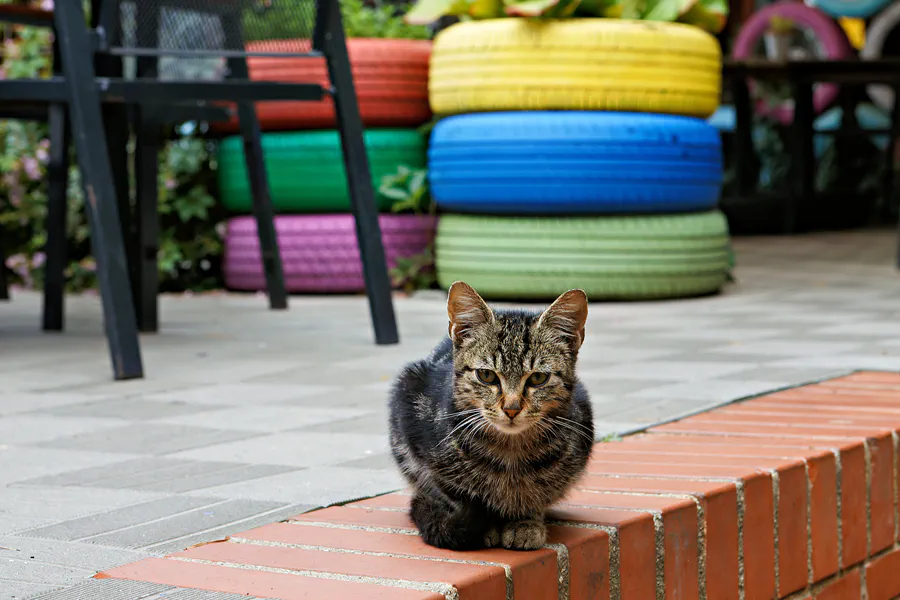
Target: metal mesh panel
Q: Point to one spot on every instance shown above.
(204, 32)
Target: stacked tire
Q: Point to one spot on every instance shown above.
(305, 167)
(575, 153)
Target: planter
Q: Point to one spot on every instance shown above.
(319, 252)
(306, 169)
(610, 258)
(390, 76)
(573, 162)
(830, 37)
(516, 64)
(881, 31)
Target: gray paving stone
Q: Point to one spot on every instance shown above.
(294, 449)
(670, 370)
(267, 418)
(182, 524)
(384, 462)
(62, 503)
(98, 524)
(316, 486)
(372, 423)
(707, 391)
(158, 438)
(12, 403)
(10, 523)
(20, 462)
(133, 409)
(218, 533)
(32, 428)
(109, 589)
(44, 561)
(20, 590)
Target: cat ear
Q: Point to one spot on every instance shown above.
(566, 317)
(466, 310)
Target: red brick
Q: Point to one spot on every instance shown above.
(385, 501)
(759, 512)
(473, 582)
(811, 417)
(882, 377)
(882, 579)
(281, 586)
(680, 528)
(835, 397)
(637, 540)
(775, 421)
(588, 560)
(821, 467)
(346, 515)
(837, 405)
(534, 571)
(845, 588)
(853, 505)
(792, 507)
(881, 501)
(719, 502)
(694, 426)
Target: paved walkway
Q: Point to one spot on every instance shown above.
(247, 417)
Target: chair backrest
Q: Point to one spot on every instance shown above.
(194, 38)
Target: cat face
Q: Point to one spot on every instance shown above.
(517, 369)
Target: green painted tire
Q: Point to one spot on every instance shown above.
(610, 258)
(306, 168)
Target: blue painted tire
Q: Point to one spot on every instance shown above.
(552, 163)
(860, 9)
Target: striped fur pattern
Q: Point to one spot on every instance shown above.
(493, 427)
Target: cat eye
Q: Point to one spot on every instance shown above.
(538, 379)
(486, 376)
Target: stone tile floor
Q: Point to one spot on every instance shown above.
(248, 416)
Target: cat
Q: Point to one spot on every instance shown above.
(493, 427)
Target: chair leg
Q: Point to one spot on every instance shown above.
(57, 201)
(4, 285)
(146, 164)
(100, 194)
(263, 209)
(330, 39)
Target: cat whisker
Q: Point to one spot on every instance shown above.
(458, 413)
(574, 430)
(468, 421)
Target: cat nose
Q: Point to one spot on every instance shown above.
(512, 412)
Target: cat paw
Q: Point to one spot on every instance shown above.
(524, 535)
(492, 538)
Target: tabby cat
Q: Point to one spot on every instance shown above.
(493, 427)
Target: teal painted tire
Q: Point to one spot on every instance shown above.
(306, 168)
(610, 258)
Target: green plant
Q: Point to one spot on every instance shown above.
(189, 241)
(415, 272)
(268, 20)
(706, 14)
(408, 189)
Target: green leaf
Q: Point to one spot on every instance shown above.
(710, 15)
(425, 12)
(529, 8)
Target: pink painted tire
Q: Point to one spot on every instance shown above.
(319, 252)
(831, 38)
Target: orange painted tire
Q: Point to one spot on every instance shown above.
(390, 75)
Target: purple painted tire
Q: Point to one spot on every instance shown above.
(319, 252)
(828, 33)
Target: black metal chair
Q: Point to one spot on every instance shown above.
(125, 28)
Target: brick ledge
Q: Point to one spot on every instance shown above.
(789, 495)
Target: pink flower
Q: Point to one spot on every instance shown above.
(32, 168)
(46, 4)
(38, 260)
(170, 184)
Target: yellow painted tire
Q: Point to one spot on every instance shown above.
(575, 64)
